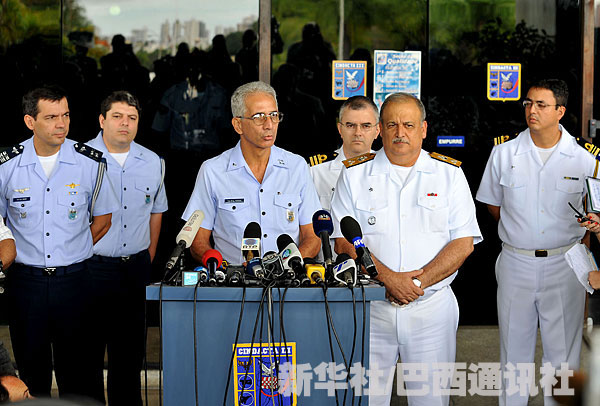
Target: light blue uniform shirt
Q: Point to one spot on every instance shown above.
(49, 217)
(231, 197)
(138, 185)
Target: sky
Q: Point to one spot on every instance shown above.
(121, 16)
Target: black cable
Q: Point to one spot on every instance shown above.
(282, 334)
(353, 347)
(270, 324)
(237, 335)
(324, 287)
(339, 343)
(262, 300)
(195, 343)
(362, 351)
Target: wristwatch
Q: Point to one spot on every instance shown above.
(417, 282)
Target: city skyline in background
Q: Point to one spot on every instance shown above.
(154, 24)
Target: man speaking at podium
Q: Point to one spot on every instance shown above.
(254, 181)
(418, 218)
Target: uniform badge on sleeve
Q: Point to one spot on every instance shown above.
(291, 216)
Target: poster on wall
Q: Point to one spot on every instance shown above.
(349, 78)
(503, 81)
(396, 71)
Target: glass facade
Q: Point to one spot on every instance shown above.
(186, 56)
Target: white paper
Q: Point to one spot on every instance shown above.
(593, 186)
(582, 262)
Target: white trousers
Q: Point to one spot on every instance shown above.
(531, 291)
(423, 333)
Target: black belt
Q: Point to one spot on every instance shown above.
(119, 260)
(51, 271)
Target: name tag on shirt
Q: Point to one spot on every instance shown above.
(239, 200)
(21, 199)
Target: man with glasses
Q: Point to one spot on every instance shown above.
(254, 182)
(358, 127)
(527, 185)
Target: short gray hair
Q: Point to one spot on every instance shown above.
(358, 103)
(402, 97)
(238, 99)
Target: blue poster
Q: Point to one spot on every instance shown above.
(503, 81)
(258, 377)
(349, 78)
(396, 71)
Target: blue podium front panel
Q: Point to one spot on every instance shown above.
(253, 378)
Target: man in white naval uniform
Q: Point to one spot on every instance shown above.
(527, 185)
(418, 219)
(357, 125)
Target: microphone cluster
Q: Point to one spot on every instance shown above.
(286, 267)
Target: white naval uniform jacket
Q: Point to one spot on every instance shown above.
(406, 225)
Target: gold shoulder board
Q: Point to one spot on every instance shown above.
(357, 160)
(445, 158)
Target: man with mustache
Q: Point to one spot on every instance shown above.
(254, 181)
(121, 264)
(527, 185)
(418, 219)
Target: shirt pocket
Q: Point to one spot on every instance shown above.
(568, 191)
(514, 189)
(72, 209)
(433, 213)
(21, 211)
(145, 191)
(371, 215)
(286, 207)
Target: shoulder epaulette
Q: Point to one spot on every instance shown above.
(357, 160)
(88, 151)
(10, 153)
(501, 139)
(589, 147)
(321, 158)
(445, 158)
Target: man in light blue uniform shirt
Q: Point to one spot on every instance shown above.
(121, 265)
(254, 181)
(47, 189)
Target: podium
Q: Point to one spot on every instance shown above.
(217, 315)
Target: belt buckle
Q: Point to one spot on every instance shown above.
(49, 271)
(541, 253)
(126, 258)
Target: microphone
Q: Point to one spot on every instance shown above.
(255, 268)
(273, 265)
(291, 257)
(323, 227)
(213, 260)
(316, 273)
(235, 274)
(353, 234)
(185, 237)
(251, 242)
(203, 274)
(345, 270)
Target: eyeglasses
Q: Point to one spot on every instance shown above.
(540, 105)
(260, 118)
(363, 126)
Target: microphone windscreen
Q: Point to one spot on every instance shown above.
(190, 229)
(252, 230)
(322, 222)
(342, 257)
(350, 229)
(212, 254)
(283, 241)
